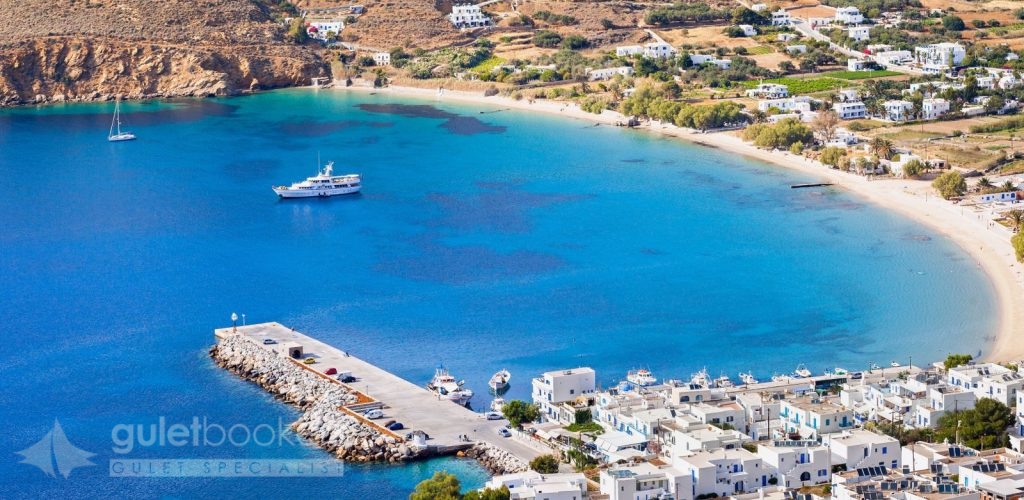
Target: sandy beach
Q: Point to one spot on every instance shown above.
(967, 226)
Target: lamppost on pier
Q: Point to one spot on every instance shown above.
(234, 322)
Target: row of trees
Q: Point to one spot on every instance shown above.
(650, 103)
(782, 135)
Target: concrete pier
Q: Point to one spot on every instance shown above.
(400, 400)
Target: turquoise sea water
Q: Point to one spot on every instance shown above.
(484, 239)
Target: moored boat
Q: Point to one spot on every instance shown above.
(115, 124)
(499, 380)
(802, 371)
(323, 184)
(747, 378)
(641, 377)
(722, 382)
(445, 386)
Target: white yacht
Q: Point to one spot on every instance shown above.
(499, 380)
(445, 386)
(322, 184)
(701, 378)
(116, 124)
(748, 378)
(641, 377)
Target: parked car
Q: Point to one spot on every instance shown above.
(493, 415)
(389, 422)
(309, 361)
(397, 426)
(269, 341)
(373, 414)
(504, 432)
(346, 377)
(331, 371)
(856, 375)
(409, 436)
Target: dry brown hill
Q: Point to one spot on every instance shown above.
(55, 50)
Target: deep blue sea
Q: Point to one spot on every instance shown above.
(483, 239)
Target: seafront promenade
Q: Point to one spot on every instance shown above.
(400, 400)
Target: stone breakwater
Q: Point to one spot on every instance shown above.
(323, 420)
(496, 461)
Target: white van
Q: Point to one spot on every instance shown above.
(373, 414)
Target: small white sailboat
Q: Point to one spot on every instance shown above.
(115, 124)
(499, 380)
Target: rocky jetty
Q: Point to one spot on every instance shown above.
(496, 461)
(324, 421)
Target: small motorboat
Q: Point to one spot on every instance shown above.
(747, 378)
(499, 380)
(802, 371)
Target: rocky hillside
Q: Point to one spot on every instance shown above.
(55, 50)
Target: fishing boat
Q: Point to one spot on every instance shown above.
(701, 378)
(323, 184)
(722, 382)
(781, 378)
(641, 377)
(115, 125)
(747, 378)
(499, 380)
(839, 372)
(445, 386)
(801, 371)
(895, 364)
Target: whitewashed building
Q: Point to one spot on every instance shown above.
(897, 110)
(988, 380)
(748, 30)
(796, 49)
(724, 472)
(468, 16)
(857, 65)
(893, 57)
(850, 110)
(382, 58)
(769, 91)
(606, 73)
(933, 108)
(849, 15)
(559, 393)
(786, 105)
(781, 18)
(629, 50)
(857, 448)
(533, 485)
(859, 33)
(943, 55)
(322, 29)
(797, 463)
(645, 481)
(659, 50)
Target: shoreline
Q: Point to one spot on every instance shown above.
(966, 227)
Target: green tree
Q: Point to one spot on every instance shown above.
(796, 148)
(297, 31)
(1016, 217)
(914, 168)
(442, 486)
(825, 125)
(881, 148)
(955, 360)
(1018, 245)
(488, 494)
(518, 412)
(786, 67)
(575, 42)
(545, 38)
(950, 184)
(953, 23)
(545, 464)
(984, 426)
(832, 156)
(583, 417)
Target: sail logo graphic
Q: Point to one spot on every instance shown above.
(54, 454)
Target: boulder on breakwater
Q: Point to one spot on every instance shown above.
(323, 420)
